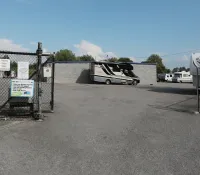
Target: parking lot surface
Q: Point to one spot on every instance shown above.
(108, 130)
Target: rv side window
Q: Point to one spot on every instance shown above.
(116, 69)
(177, 75)
(185, 75)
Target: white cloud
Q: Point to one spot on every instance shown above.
(9, 45)
(133, 59)
(45, 50)
(97, 52)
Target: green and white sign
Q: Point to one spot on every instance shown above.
(22, 88)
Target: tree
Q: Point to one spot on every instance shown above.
(65, 55)
(176, 69)
(6, 57)
(180, 69)
(85, 58)
(13, 66)
(33, 66)
(167, 71)
(124, 59)
(112, 59)
(154, 58)
(188, 70)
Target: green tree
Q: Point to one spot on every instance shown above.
(188, 69)
(182, 69)
(167, 71)
(13, 66)
(124, 59)
(112, 59)
(154, 58)
(65, 55)
(176, 69)
(6, 57)
(85, 58)
(32, 68)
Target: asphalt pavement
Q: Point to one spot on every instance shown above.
(108, 130)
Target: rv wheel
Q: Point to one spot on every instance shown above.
(108, 82)
(128, 82)
(135, 82)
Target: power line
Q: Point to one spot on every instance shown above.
(172, 54)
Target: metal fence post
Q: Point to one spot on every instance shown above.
(39, 115)
(197, 89)
(52, 83)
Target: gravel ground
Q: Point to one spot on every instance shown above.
(108, 130)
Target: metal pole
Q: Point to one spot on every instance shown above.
(52, 83)
(197, 89)
(39, 55)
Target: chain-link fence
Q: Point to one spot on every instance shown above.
(27, 85)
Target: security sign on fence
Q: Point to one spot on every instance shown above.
(47, 71)
(22, 88)
(4, 64)
(26, 83)
(23, 70)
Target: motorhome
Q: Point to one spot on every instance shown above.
(116, 73)
(194, 67)
(182, 77)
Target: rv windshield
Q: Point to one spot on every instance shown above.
(129, 73)
(177, 75)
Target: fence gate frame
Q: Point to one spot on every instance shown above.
(37, 75)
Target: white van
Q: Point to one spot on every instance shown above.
(169, 77)
(182, 77)
(165, 77)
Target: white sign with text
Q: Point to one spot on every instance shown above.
(47, 72)
(4, 65)
(23, 70)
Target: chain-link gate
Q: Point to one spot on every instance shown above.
(27, 87)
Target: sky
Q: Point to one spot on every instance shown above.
(127, 28)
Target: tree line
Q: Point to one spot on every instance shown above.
(68, 55)
(180, 69)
